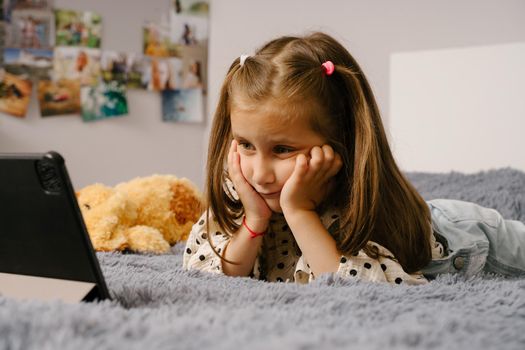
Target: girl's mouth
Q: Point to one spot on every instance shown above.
(270, 195)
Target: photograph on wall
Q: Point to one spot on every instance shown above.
(15, 92)
(113, 66)
(189, 29)
(157, 41)
(75, 28)
(162, 73)
(36, 63)
(8, 6)
(136, 66)
(103, 101)
(183, 106)
(31, 29)
(58, 98)
(189, 22)
(192, 75)
(77, 63)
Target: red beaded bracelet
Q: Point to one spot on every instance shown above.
(253, 234)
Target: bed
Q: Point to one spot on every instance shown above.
(158, 305)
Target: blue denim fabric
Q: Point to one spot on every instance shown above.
(475, 239)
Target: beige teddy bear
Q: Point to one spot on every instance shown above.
(145, 214)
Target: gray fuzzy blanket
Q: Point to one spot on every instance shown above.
(158, 305)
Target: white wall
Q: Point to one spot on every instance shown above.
(140, 144)
(459, 109)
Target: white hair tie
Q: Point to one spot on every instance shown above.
(243, 58)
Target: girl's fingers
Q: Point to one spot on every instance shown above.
(330, 165)
(230, 157)
(328, 155)
(237, 167)
(337, 164)
(322, 163)
(317, 160)
(301, 167)
(234, 165)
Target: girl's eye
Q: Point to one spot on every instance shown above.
(246, 145)
(282, 149)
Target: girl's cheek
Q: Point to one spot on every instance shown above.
(286, 169)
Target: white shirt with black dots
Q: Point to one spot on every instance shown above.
(281, 260)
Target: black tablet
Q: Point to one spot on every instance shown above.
(45, 250)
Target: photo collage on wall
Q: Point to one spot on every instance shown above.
(177, 60)
(59, 52)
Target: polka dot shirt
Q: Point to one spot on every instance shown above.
(280, 258)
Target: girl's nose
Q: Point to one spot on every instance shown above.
(263, 172)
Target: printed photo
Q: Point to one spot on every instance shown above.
(77, 63)
(191, 7)
(78, 28)
(106, 100)
(162, 73)
(36, 63)
(183, 106)
(189, 22)
(157, 41)
(194, 64)
(14, 94)
(192, 75)
(113, 66)
(8, 6)
(58, 98)
(31, 28)
(136, 66)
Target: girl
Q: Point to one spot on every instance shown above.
(301, 181)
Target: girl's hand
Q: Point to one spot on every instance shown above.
(255, 208)
(310, 180)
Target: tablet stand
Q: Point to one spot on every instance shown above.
(43, 288)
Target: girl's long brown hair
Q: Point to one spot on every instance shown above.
(376, 201)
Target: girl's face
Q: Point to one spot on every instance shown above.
(268, 145)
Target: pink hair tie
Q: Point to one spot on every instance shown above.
(328, 67)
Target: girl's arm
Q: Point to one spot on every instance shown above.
(319, 249)
(243, 249)
(315, 242)
(308, 185)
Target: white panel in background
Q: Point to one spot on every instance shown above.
(458, 109)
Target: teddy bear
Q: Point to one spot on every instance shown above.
(146, 214)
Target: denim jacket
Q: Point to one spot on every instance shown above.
(475, 239)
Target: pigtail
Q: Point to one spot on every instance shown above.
(382, 205)
(221, 208)
(361, 214)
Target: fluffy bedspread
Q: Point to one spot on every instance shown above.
(158, 305)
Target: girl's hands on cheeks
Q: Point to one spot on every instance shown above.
(310, 179)
(255, 208)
